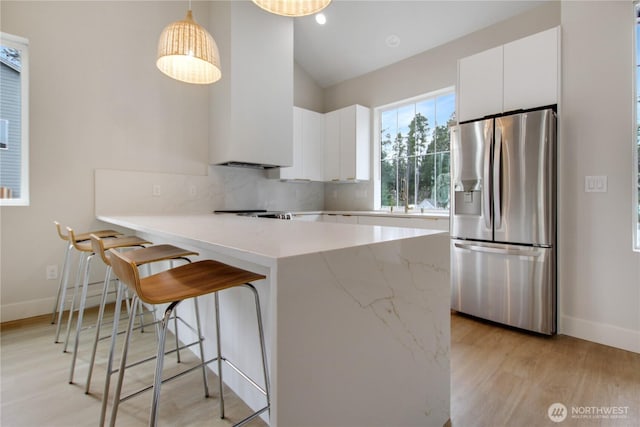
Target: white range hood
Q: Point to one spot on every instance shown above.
(251, 123)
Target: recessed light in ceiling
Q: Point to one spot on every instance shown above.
(392, 40)
(321, 19)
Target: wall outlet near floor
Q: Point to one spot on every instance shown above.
(156, 190)
(52, 272)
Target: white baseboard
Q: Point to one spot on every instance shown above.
(602, 333)
(26, 309)
(39, 307)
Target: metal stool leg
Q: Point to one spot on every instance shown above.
(112, 346)
(62, 284)
(157, 382)
(96, 339)
(81, 266)
(123, 363)
(201, 347)
(83, 301)
(63, 293)
(219, 358)
(263, 349)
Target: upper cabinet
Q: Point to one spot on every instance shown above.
(347, 144)
(251, 120)
(531, 71)
(480, 84)
(519, 75)
(308, 147)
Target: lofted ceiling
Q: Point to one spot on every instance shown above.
(364, 35)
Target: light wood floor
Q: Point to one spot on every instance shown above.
(500, 377)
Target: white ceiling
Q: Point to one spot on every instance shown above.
(353, 42)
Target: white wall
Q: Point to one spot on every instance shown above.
(98, 102)
(306, 92)
(599, 274)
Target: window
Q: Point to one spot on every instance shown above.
(636, 142)
(414, 152)
(14, 126)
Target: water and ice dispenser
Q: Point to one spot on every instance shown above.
(468, 197)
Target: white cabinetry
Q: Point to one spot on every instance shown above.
(531, 71)
(480, 84)
(519, 75)
(413, 222)
(308, 147)
(347, 144)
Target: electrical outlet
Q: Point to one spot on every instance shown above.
(193, 190)
(156, 190)
(595, 184)
(52, 272)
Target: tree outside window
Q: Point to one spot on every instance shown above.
(414, 147)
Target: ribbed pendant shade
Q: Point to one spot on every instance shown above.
(188, 53)
(293, 7)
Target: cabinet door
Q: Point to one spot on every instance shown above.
(332, 146)
(363, 143)
(348, 154)
(480, 85)
(531, 71)
(313, 145)
(295, 171)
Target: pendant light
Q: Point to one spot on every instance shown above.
(187, 52)
(292, 7)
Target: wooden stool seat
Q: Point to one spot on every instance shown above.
(188, 281)
(86, 236)
(64, 274)
(173, 286)
(139, 257)
(109, 243)
(86, 247)
(149, 254)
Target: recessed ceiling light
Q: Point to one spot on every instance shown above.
(321, 19)
(393, 40)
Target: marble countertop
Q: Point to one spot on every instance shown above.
(262, 240)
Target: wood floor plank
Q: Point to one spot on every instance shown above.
(500, 377)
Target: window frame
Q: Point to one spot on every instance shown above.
(377, 148)
(635, 206)
(22, 44)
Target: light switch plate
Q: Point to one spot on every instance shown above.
(595, 184)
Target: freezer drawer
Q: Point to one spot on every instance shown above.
(510, 284)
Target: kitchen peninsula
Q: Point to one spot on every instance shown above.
(356, 316)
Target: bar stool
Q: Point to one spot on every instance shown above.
(173, 286)
(85, 248)
(144, 256)
(64, 274)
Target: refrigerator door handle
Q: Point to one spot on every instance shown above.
(497, 178)
(530, 252)
(486, 185)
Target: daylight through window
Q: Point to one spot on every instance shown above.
(14, 99)
(637, 136)
(414, 152)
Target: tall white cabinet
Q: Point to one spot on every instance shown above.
(308, 147)
(347, 149)
(518, 75)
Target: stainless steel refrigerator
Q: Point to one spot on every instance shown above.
(503, 219)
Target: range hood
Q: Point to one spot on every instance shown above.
(248, 165)
(251, 124)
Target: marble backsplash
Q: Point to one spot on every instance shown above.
(224, 188)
